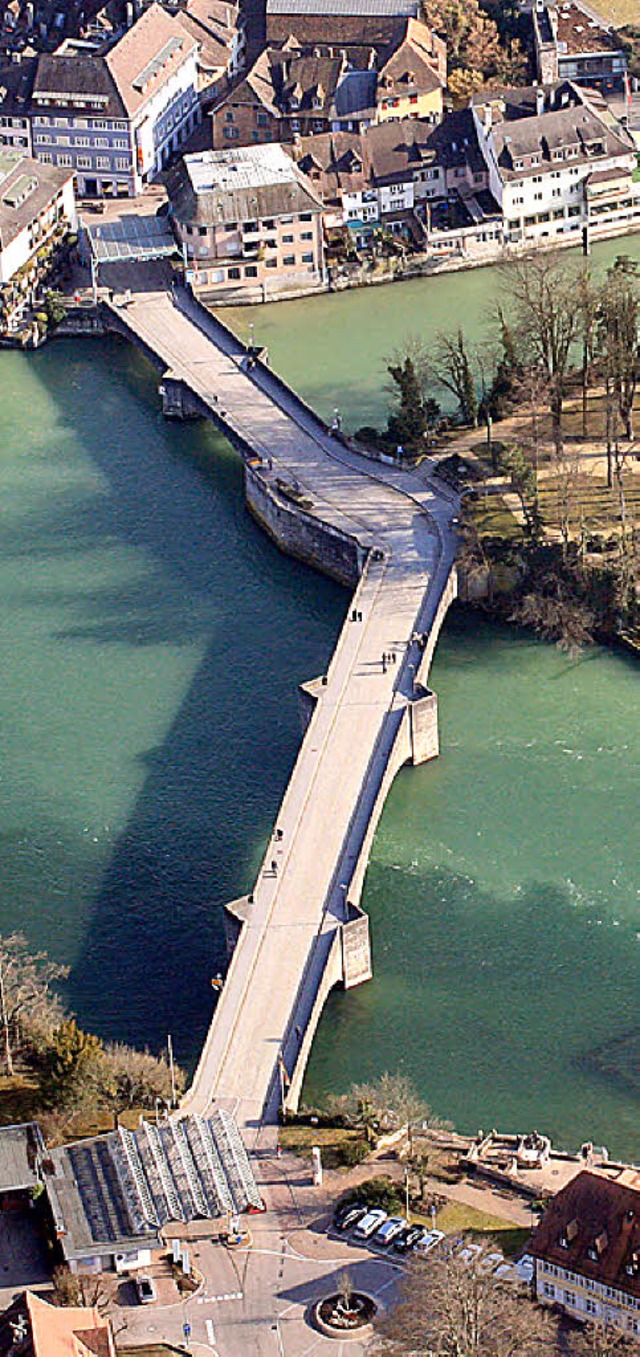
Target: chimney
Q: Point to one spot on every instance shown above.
(539, 101)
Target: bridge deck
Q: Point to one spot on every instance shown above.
(343, 756)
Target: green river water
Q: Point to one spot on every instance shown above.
(152, 640)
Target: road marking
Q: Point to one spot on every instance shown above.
(210, 1300)
(208, 1324)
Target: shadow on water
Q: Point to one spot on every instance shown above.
(257, 623)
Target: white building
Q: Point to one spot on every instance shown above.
(555, 166)
(36, 203)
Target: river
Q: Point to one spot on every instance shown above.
(154, 640)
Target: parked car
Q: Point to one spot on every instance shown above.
(429, 1242)
(390, 1228)
(524, 1268)
(370, 1223)
(469, 1254)
(145, 1290)
(342, 1210)
(506, 1273)
(350, 1218)
(490, 1262)
(409, 1238)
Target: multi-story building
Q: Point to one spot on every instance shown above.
(248, 221)
(16, 80)
(215, 26)
(37, 212)
(301, 91)
(393, 168)
(36, 203)
(554, 164)
(339, 23)
(570, 44)
(117, 119)
(587, 1249)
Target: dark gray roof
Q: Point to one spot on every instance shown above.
(356, 94)
(61, 77)
(19, 1150)
(115, 1193)
(16, 81)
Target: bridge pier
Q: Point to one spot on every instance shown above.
(177, 401)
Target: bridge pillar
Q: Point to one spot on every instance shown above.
(423, 718)
(176, 400)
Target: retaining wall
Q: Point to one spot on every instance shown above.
(298, 533)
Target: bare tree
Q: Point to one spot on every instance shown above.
(618, 321)
(542, 292)
(449, 1307)
(389, 1103)
(452, 367)
(29, 1007)
(598, 1339)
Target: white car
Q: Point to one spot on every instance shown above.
(490, 1262)
(429, 1242)
(370, 1223)
(389, 1229)
(506, 1273)
(469, 1254)
(524, 1267)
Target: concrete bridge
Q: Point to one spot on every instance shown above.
(386, 533)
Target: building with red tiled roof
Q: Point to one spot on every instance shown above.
(587, 1249)
(34, 1328)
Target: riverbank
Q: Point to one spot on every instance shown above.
(455, 252)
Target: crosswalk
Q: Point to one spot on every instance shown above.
(211, 1300)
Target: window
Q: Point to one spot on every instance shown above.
(65, 160)
(99, 124)
(255, 136)
(271, 264)
(202, 230)
(251, 271)
(231, 132)
(84, 162)
(289, 259)
(83, 141)
(102, 142)
(122, 163)
(549, 1290)
(307, 259)
(306, 235)
(262, 120)
(306, 216)
(45, 157)
(287, 240)
(102, 162)
(590, 1306)
(228, 116)
(569, 1298)
(268, 225)
(231, 226)
(234, 273)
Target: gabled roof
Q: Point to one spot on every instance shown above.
(417, 64)
(335, 162)
(74, 1331)
(573, 124)
(592, 1227)
(53, 1331)
(147, 55)
(256, 87)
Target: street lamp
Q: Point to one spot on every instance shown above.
(251, 329)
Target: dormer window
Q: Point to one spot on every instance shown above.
(567, 1237)
(632, 1267)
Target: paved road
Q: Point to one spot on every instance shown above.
(300, 893)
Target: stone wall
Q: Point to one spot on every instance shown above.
(298, 533)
